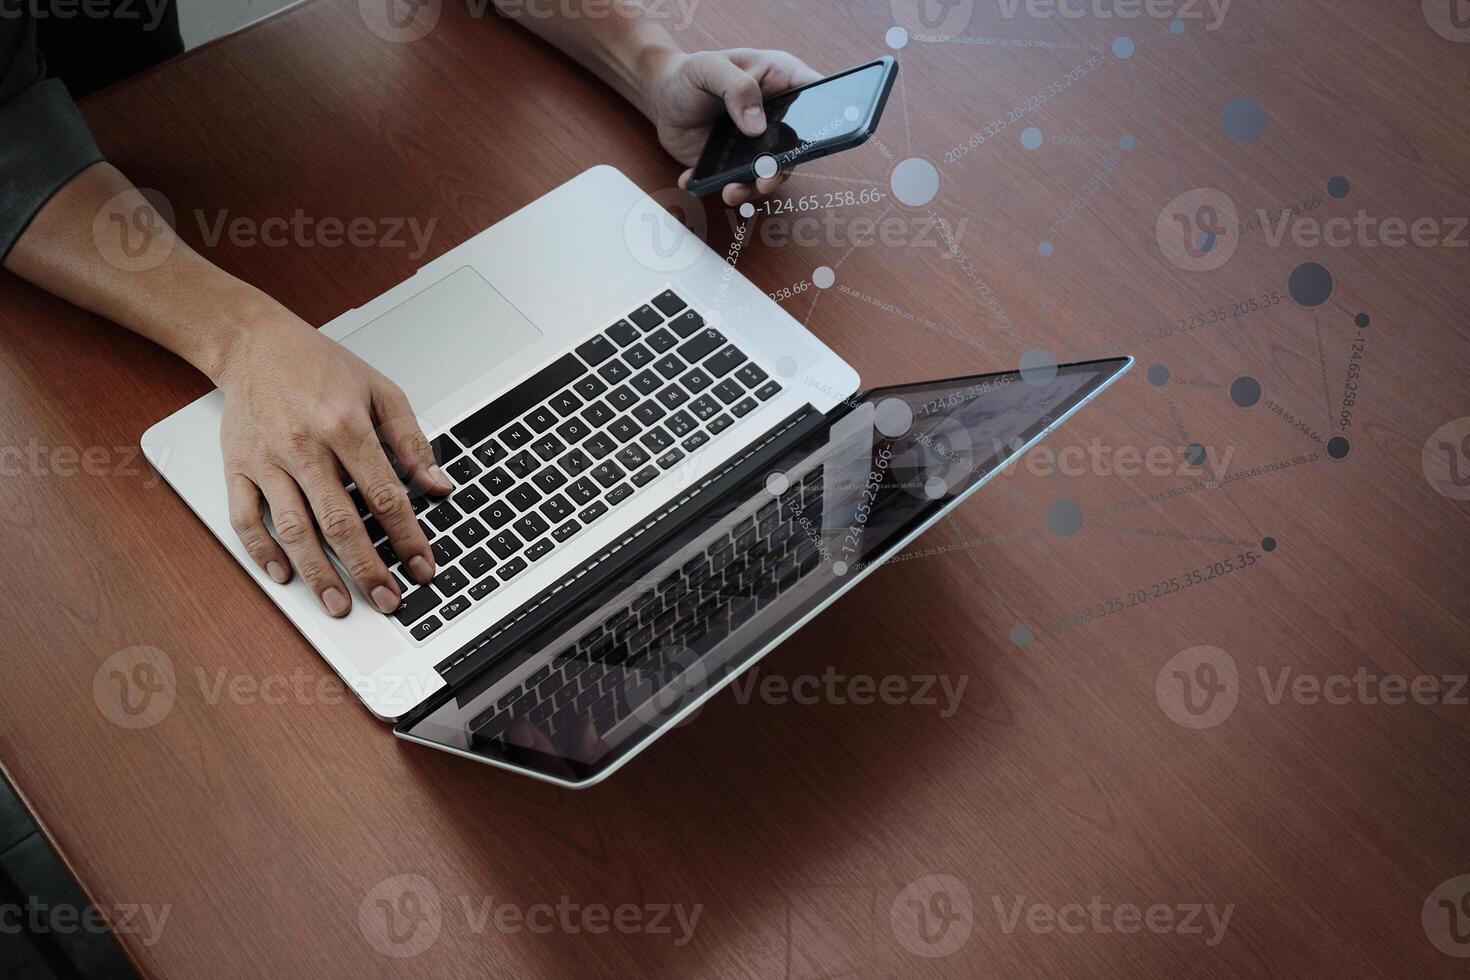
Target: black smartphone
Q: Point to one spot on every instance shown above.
(815, 120)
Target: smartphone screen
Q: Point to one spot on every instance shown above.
(838, 109)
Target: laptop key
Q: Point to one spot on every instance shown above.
(483, 588)
(622, 398)
(445, 551)
(728, 391)
(522, 464)
(498, 514)
(637, 356)
(505, 544)
(590, 387)
(575, 462)
(695, 441)
(549, 479)
(622, 333)
(669, 366)
(416, 604)
(443, 517)
(511, 569)
(750, 375)
(497, 481)
(766, 390)
(672, 396)
(704, 407)
(599, 445)
(471, 532)
(743, 406)
(428, 626)
(701, 345)
(646, 382)
(593, 512)
(597, 414)
(566, 530)
(450, 581)
(363, 509)
(531, 526)
(624, 428)
(445, 448)
(728, 359)
(596, 350)
(471, 498)
(607, 474)
(649, 412)
(540, 549)
(658, 440)
(619, 493)
(573, 430)
(686, 323)
(557, 508)
(375, 530)
(696, 381)
(490, 453)
(719, 424)
(565, 403)
(632, 456)
(670, 458)
(508, 407)
(644, 475)
(477, 562)
(646, 317)
(660, 340)
(456, 606)
(614, 371)
(515, 436)
(668, 302)
(523, 497)
(541, 418)
(583, 491)
(547, 446)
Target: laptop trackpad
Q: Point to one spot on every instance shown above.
(443, 337)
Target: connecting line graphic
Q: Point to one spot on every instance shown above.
(903, 102)
(1322, 362)
(846, 180)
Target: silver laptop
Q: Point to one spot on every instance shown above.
(659, 475)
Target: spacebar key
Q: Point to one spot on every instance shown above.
(514, 403)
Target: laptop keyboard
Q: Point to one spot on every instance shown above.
(561, 450)
(657, 635)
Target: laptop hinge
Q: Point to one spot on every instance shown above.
(524, 623)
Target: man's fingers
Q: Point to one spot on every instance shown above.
(412, 451)
(684, 179)
(296, 532)
(247, 517)
(740, 92)
(337, 516)
(382, 491)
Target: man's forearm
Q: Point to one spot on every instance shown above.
(620, 45)
(99, 244)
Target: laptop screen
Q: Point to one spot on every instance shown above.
(638, 658)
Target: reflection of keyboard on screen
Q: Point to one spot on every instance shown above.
(661, 631)
(557, 452)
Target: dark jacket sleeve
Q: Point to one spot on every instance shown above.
(43, 141)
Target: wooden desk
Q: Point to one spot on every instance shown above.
(266, 829)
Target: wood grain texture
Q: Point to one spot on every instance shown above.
(1059, 780)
